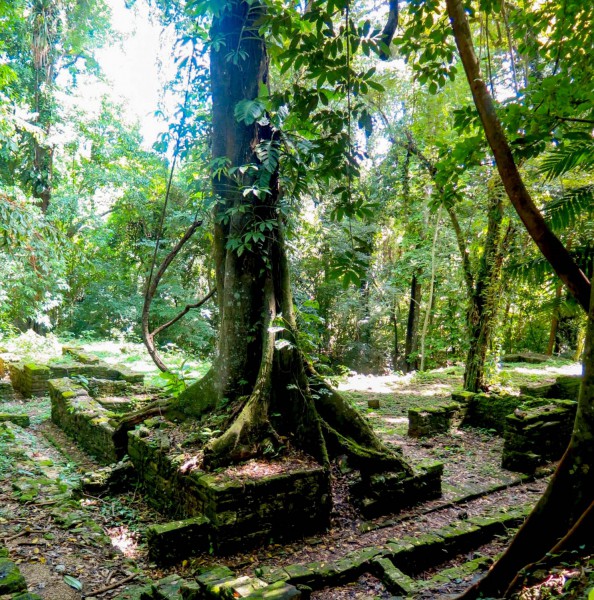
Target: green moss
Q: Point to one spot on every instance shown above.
(11, 580)
(20, 420)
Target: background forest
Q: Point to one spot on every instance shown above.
(404, 251)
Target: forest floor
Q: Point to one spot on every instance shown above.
(68, 549)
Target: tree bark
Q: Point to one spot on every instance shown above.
(569, 493)
(554, 321)
(567, 497)
(484, 300)
(412, 325)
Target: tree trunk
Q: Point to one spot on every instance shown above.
(570, 491)
(412, 326)
(484, 301)
(547, 242)
(568, 495)
(273, 396)
(554, 321)
(431, 288)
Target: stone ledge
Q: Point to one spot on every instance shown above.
(20, 420)
(241, 511)
(409, 554)
(384, 493)
(83, 419)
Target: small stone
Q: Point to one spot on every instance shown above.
(60, 568)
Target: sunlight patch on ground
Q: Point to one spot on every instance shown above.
(573, 369)
(396, 420)
(380, 384)
(124, 540)
(437, 389)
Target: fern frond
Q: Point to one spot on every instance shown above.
(569, 156)
(566, 210)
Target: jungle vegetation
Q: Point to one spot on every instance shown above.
(347, 184)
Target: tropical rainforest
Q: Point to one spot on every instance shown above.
(367, 186)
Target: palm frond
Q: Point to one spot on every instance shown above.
(569, 156)
(566, 210)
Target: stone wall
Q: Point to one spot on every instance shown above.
(537, 433)
(31, 379)
(566, 387)
(83, 419)
(432, 420)
(488, 411)
(241, 512)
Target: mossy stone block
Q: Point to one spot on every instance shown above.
(393, 578)
(431, 420)
(178, 539)
(462, 536)
(167, 588)
(26, 596)
(6, 391)
(20, 420)
(11, 579)
(463, 397)
(135, 592)
(276, 591)
(423, 551)
(218, 573)
(488, 411)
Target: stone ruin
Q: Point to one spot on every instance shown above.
(536, 424)
(214, 512)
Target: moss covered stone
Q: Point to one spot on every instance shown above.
(537, 434)
(393, 578)
(566, 387)
(431, 420)
(6, 391)
(242, 511)
(83, 419)
(20, 420)
(488, 411)
(383, 493)
(11, 579)
(179, 539)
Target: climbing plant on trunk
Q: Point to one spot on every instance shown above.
(276, 398)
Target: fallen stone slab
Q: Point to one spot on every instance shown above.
(20, 420)
(532, 358)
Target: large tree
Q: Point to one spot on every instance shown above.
(276, 397)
